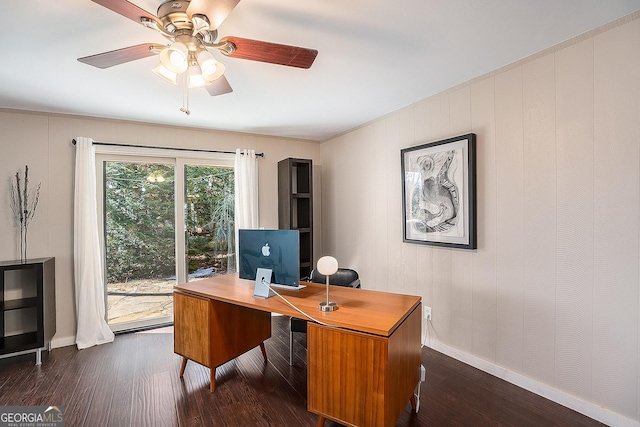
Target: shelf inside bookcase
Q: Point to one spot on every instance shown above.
(17, 343)
(16, 304)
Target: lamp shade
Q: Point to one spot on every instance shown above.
(327, 265)
(196, 79)
(211, 69)
(165, 74)
(175, 57)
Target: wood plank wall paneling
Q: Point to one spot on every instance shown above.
(328, 192)
(539, 125)
(616, 213)
(439, 110)
(372, 252)
(461, 261)
(574, 288)
(357, 253)
(381, 181)
(394, 196)
(442, 292)
(510, 219)
(552, 292)
(408, 253)
(484, 260)
(14, 158)
(423, 126)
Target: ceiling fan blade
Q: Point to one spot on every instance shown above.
(216, 10)
(219, 86)
(272, 53)
(125, 8)
(120, 56)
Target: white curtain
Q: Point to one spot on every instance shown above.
(87, 256)
(246, 187)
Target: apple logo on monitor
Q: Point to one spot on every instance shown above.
(266, 251)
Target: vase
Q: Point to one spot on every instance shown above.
(23, 244)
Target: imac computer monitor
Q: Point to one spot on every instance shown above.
(277, 250)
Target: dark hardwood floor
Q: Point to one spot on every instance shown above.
(134, 382)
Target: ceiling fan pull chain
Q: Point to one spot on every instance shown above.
(185, 94)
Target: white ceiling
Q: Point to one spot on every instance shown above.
(374, 58)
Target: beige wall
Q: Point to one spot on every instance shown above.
(44, 143)
(551, 294)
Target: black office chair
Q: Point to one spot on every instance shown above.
(343, 277)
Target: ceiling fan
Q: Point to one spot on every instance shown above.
(192, 28)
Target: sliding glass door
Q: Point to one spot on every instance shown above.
(209, 217)
(165, 221)
(140, 244)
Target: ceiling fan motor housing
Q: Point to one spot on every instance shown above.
(173, 14)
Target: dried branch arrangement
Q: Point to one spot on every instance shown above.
(23, 204)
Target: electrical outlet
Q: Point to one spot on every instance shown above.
(427, 312)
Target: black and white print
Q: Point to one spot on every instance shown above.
(437, 192)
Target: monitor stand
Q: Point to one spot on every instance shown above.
(293, 288)
(263, 279)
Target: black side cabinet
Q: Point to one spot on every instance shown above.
(295, 206)
(27, 306)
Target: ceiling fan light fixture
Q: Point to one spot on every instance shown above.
(175, 57)
(211, 69)
(165, 74)
(196, 79)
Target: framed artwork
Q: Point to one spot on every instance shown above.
(439, 193)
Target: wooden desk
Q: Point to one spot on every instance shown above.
(361, 373)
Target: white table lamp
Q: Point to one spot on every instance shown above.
(327, 265)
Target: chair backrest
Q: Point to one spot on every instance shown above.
(343, 277)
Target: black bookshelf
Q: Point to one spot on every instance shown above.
(295, 206)
(27, 306)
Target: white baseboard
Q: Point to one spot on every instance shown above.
(589, 409)
(58, 342)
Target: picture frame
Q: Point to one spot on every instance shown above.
(439, 193)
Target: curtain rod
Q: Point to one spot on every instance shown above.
(113, 144)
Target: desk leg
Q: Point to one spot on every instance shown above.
(320, 421)
(183, 366)
(264, 351)
(212, 380)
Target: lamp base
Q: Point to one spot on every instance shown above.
(328, 306)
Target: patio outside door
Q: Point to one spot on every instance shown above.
(143, 229)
